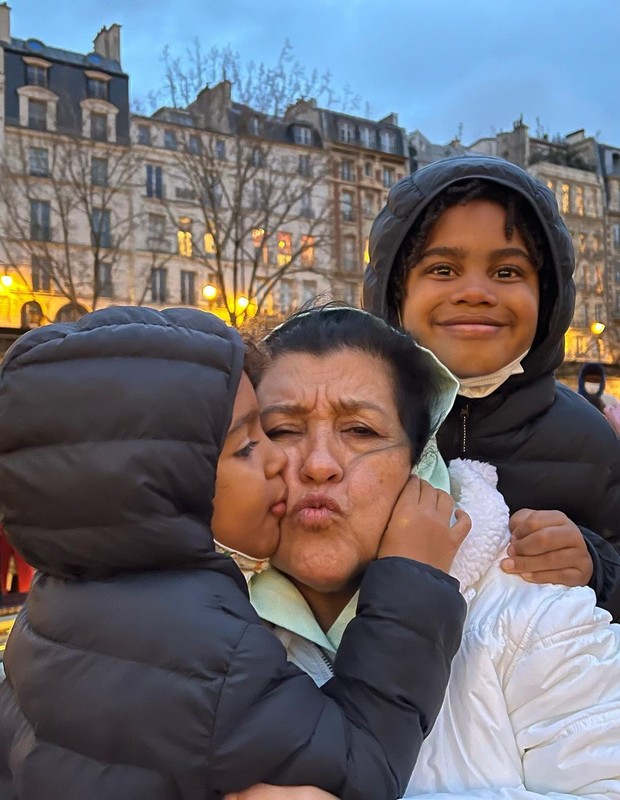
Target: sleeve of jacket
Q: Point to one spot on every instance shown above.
(605, 579)
(562, 691)
(359, 735)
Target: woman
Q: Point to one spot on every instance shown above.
(533, 704)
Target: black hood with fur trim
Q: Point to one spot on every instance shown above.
(411, 196)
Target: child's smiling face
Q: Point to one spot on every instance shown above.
(250, 494)
(473, 296)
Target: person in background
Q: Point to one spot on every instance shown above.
(472, 257)
(21, 580)
(591, 385)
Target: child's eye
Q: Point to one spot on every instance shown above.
(245, 451)
(507, 272)
(444, 270)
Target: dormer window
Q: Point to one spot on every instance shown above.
(302, 135)
(254, 126)
(36, 75)
(97, 88)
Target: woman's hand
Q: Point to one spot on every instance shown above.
(419, 527)
(546, 547)
(263, 791)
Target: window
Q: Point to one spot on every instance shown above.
(579, 200)
(144, 134)
(346, 132)
(37, 115)
(258, 240)
(170, 140)
(284, 249)
(97, 88)
(220, 149)
(616, 235)
(346, 205)
(305, 165)
(347, 169)
(306, 204)
(307, 251)
(368, 169)
(156, 231)
(308, 291)
(582, 243)
(188, 288)
(99, 171)
(617, 275)
(369, 205)
(38, 161)
(565, 198)
(254, 126)
(184, 237)
(103, 279)
(302, 135)
(99, 127)
(213, 193)
(209, 244)
(350, 294)
(285, 296)
(367, 137)
(388, 141)
(36, 75)
(40, 220)
(101, 235)
(193, 144)
(41, 272)
(388, 177)
(154, 181)
(349, 254)
(551, 185)
(159, 291)
(366, 252)
(32, 315)
(256, 157)
(72, 312)
(596, 243)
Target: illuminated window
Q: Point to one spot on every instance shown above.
(307, 251)
(596, 242)
(209, 244)
(284, 249)
(184, 236)
(579, 200)
(551, 185)
(258, 240)
(565, 198)
(582, 242)
(366, 253)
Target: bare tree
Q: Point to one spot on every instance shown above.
(68, 214)
(249, 206)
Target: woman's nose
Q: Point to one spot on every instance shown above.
(319, 460)
(474, 290)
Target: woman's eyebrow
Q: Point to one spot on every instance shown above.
(294, 409)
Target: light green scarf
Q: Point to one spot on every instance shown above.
(276, 599)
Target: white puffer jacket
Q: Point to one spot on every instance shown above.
(533, 705)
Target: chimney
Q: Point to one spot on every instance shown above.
(108, 42)
(5, 23)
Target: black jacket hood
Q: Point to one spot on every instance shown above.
(411, 195)
(110, 432)
(597, 370)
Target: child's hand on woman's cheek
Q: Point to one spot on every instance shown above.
(263, 791)
(546, 547)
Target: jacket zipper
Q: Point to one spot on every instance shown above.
(464, 418)
(326, 660)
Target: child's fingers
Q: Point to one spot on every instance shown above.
(462, 525)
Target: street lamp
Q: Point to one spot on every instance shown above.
(6, 281)
(209, 292)
(242, 303)
(597, 329)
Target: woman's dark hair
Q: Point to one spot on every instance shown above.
(519, 215)
(332, 328)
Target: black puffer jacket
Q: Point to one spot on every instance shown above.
(138, 669)
(552, 450)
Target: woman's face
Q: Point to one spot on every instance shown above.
(250, 494)
(348, 459)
